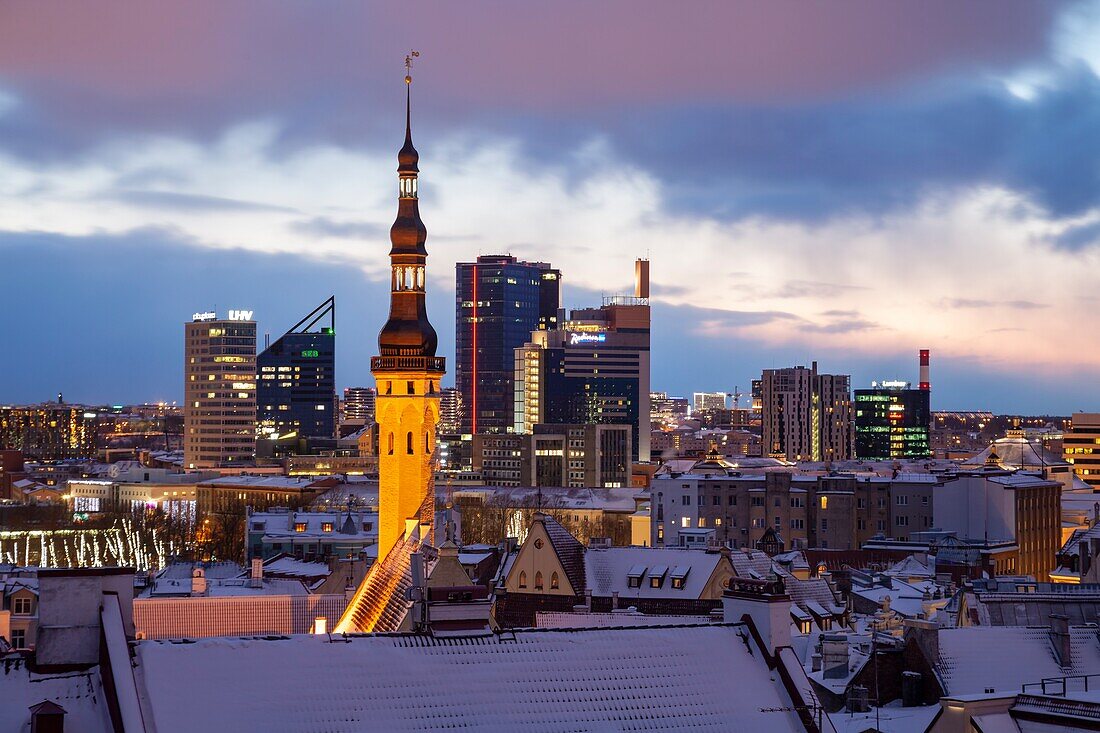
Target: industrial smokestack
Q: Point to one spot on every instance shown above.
(641, 278)
(925, 384)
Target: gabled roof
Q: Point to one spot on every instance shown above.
(608, 571)
(659, 678)
(570, 551)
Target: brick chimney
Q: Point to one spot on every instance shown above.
(767, 606)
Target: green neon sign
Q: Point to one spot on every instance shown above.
(310, 353)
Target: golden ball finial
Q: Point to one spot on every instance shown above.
(408, 80)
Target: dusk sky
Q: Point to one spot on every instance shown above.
(843, 181)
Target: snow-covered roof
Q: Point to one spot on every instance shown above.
(616, 619)
(670, 678)
(608, 571)
(1017, 453)
(973, 659)
(79, 693)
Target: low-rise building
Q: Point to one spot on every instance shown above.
(310, 535)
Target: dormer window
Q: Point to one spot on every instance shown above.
(679, 576)
(634, 577)
(657, 576)
(299, 526)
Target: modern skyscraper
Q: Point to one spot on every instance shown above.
(407, 371)
(296, 387)
(892, 421)
(219, 372)
(593, 369)
(450, 411)
(806, 416)
(359, 404)
(703, 401)
(499, 302)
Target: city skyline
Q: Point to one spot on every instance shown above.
(172, 190)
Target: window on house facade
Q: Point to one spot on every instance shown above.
(554, 581)
(21, 606)
(19, 638)
(299, 526)
(326, 526)
(409, 443)
(538, 580)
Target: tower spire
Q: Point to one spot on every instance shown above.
(408, 332)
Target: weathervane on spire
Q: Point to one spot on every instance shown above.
(409, 65)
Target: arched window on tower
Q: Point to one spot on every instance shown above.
(427, 443)
(538, 580)
(522, 579)
(390, 451)
(554, 581)
(409, 443)
(420, 278)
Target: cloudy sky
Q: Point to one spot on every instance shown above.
(845, 181)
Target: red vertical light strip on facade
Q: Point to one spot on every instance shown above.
(473, 384)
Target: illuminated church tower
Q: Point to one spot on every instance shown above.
(407, 371)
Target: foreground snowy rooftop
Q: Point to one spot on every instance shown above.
(699, 678)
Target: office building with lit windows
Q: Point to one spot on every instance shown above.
(499, 301)
(219, 372)
(892, 421)
(296, 387)
(1081, 447)
(592, 370)
(51, 431)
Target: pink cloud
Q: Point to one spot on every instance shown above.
(487, 52)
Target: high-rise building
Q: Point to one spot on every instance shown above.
(450, 411)
(704, 401)
(593, 369)
(219, 372)
(499, 302)
(51, 431)
(806, 416)
(1081, 446)
(667, 411)
(296, 387)
(892, 421)
(407, 372)
(359, 404)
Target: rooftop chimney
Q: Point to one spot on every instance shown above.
(925, 384)
(257, 579)
(641, 278)
(767, 606)
(198, 582)
(1059, 639)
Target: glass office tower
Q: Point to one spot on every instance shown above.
(296, 384)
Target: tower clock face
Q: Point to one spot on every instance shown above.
(538, 544)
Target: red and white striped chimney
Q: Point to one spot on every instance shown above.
(925, 384)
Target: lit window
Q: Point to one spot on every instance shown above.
(554, 581)
(685, 522)
(326, 526)
(824, 502)
(299, 526)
